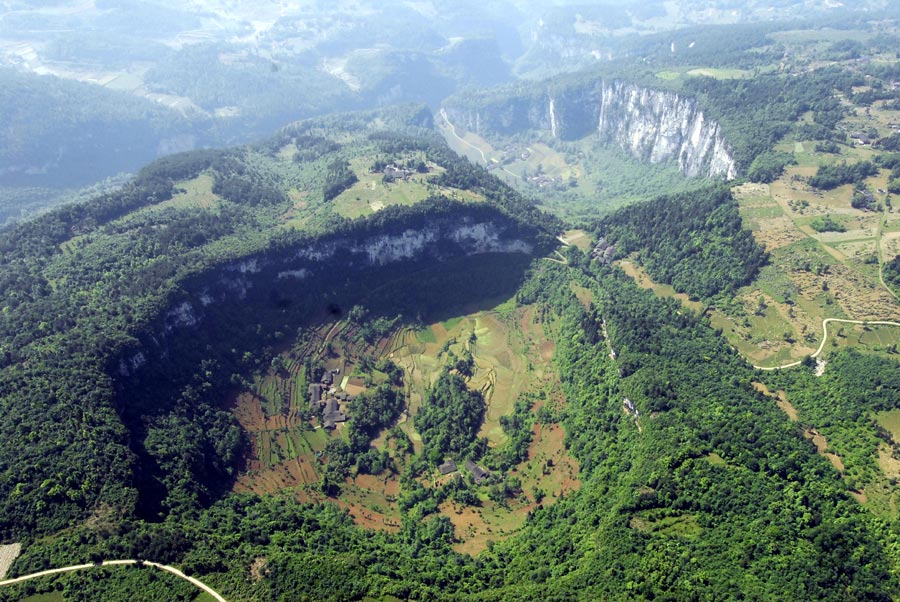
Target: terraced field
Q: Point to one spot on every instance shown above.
(512, 351)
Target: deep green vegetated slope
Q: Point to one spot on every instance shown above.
(842, 403)
(709, 492)
(125, 321)
(892, 273)
(703, 489)
(694, 241)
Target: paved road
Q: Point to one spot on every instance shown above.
(825, 324)
(81, 567)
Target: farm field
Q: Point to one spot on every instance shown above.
(512, 350)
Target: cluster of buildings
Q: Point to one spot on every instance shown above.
(479, 474)
(326, 397)
(603, 251)
(394, 172)
(545, 181)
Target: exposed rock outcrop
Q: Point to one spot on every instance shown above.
(650, 124)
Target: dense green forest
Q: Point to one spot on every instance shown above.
(694, 241)
(892, 272)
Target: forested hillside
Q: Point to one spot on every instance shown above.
(694, 241)
(701, 467)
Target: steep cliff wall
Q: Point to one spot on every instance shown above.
(651, 125)
(249, 286)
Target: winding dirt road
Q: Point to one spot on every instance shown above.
(825, 324)
(80, 567)
(470, 145)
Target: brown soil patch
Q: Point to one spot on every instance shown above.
(475, 527)
(780, 400)
(285, 475)
(370, 519)
(860, 496)
(257, 568)
(774, 233)
(552, 468)
(821, 445)
(547, 348)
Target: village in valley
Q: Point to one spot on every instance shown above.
(301, 413)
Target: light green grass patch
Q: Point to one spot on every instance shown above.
(196, 192)
(715, 459)
(890, 421)
(371, 193)
(720, 73)
(668, 75)
(650, 521)
(426, 335)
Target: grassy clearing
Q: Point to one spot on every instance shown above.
(715, 459)
(371, 193)
(643, 280)
(584, 295)
(652, 521)
(579, 238)
(48, 597)
(720, 73)
(194, 193)
(890, 421)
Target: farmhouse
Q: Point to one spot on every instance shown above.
(331, 414)
(448, 466)
(478, 472)
(315, 396)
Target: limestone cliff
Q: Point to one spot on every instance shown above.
(249, 284)
(650, 124)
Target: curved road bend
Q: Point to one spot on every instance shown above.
(825, 323)
(80, 567)
(470, 145)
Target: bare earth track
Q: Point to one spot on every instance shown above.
(825, 323)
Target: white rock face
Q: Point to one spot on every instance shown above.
(298, 274)
(651, 125)
(658, 126)
(481, 237)
(387, 249)
(181, 315)
(238, 278)
(132, 364)
(484, 237)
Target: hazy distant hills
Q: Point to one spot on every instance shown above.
(215, 73)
